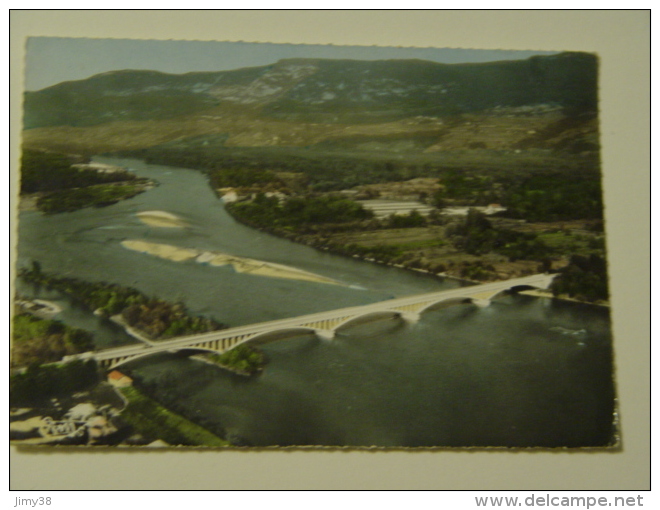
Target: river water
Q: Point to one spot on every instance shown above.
(523, 371)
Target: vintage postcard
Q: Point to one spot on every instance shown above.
(267, 245)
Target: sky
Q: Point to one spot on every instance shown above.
(51, 60)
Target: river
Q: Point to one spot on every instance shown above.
(524, 371)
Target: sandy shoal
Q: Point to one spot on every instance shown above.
(213, 258)
(164, 251)
(548, 294)
(161, 219)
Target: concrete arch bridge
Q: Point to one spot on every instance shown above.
(323, 324)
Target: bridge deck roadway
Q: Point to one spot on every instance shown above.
(314, 321)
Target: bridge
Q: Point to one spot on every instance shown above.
(323, 324)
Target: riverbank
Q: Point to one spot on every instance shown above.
(527, 267)
(563, 297)
(135, 333)
(344, 251)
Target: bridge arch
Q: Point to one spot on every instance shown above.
(134, 357)
(363, 317)
(443, 303)
(519, 288)
(275, 335)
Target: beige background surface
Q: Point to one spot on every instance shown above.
(622, 39)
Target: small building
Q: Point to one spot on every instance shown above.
(119, 380)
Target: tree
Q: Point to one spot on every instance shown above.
(410, 220)
(439, 199)
(584, 278)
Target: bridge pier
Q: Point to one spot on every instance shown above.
(410, 317)
(325, 334)
(481, 303)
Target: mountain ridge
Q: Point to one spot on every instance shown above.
(321, 90)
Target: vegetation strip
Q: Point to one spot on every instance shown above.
(156, 318)
(154, 421)
(92, 196)
(65, 182)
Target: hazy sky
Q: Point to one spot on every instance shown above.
(52, 60)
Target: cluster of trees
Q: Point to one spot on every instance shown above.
(66, 188)
(50, 171)
(476, 270)
(92, 196)
(156, 317)
(554, 196)
(465, 187)
(476, 235)
(542, 196)
(39, 382)
(241, 177)
(243, 358)
(38, 340)
(411, 220)
(269, 212)
(160, 319)
(584, 278)
(107, 298)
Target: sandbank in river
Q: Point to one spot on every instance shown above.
(161, 219)
(214, 258)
